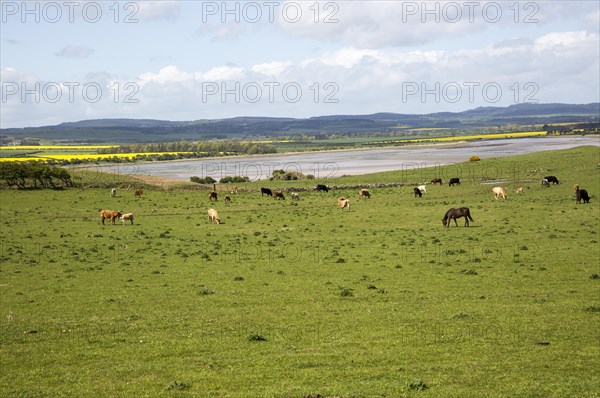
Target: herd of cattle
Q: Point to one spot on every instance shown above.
(581, 195)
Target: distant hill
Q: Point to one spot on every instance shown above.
(150, 130)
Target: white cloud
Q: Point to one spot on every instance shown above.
(224, 73)
(75, 52)
(152, 10)
(166, 75)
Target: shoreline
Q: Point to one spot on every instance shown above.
(456, 144)
(355, 161)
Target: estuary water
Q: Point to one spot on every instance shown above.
(329, 164)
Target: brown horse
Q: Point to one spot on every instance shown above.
(112, 215)
(453, 214)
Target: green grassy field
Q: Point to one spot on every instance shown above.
(296, 299)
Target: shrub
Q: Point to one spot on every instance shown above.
(205, 180)
(236, 179)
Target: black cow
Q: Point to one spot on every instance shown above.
(266, 191)
(321, 187)
(454, 181)
(582, 194)
(552, 179)
(417, 192)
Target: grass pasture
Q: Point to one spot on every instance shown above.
(297, 299)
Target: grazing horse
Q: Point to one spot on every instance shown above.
(266, 191)
(453, 214)
(581, 194)
(127, 216)
(212, 196)
(113, 192)
(213, 216)
(454, 181)
(552, 179)
(417, 192)
(321, 187)
(343, 202)
(112, 215)
(138, 193)
(436, 181)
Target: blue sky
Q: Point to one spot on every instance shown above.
(68, 61)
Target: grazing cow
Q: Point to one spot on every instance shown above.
(343, 202)
(213, 216)
(552, 179)
(321, 187)
(453, 181)
(278, 195)
(227, 199)
(212, 196)
(127, 216)
(363, 193)
(295, 196)
(138, 193)
(417, 192)
(545, 183)
(499, 191)
(112, 215)
(436, 181)
(266, 191)
(234, 189)
(113, 192)
(519, 190)
(453, 214)
(422, 188)
(581, 194)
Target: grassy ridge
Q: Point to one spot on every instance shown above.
(287, 299)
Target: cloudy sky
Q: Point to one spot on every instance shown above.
(69, 61)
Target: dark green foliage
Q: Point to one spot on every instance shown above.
(205, 180)
(33, 174)
(234, 179)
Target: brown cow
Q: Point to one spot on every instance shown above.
(363, 193)
(278, 195)
(138, 193)
(213, 216)
(227, 199)
(112, 215)
(212, 195)
(234, 189)
(436, 181)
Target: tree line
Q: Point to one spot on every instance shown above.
(33, 174)
(202, 148)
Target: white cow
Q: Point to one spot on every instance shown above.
(213, 216)
(127, 216)
(499, 191)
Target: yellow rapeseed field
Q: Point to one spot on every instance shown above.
(89, 156)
